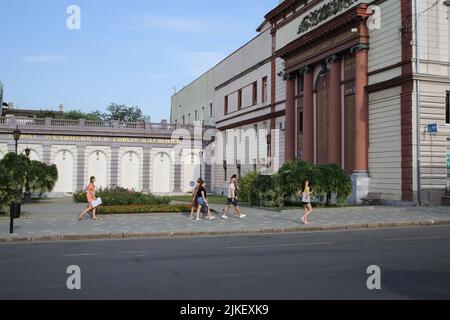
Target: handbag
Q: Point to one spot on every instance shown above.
(96, 203)
(204, 208)
(306, 198)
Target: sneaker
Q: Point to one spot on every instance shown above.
(224, 217)
(198, 219)
(242, 216)
(212, 218)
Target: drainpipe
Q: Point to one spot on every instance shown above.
(417, 35)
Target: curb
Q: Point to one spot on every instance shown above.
(184, 234)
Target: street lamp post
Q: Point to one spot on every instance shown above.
(16, 134)
(27, 194)
(15, 208)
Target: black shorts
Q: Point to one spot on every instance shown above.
(306, 203)
(232, 202)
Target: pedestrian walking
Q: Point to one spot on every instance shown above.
(232, 200)
(194, 198)
(202, 201)
(306, 193)
(90, 195)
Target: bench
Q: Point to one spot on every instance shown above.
(372, 198)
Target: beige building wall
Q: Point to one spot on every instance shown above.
(385, 149)
(434, 76)
(196, 97)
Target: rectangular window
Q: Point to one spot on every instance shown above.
(448, 163)
(189, 118)
(226, 105)
(210, 110)
(239, 99)
(255, 93)
(196, 116)
(447, 108)
(300, 122)
(300, 84)
(184, 120)
(239, 170)
(264, 90)
(225, 171)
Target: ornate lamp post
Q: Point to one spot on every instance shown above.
(27, 194)
(16, 134)
(15, 207)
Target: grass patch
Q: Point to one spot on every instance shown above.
(211, 199)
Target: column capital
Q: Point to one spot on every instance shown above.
(359, 47)
(289, 76)
(334, 58)
(306, 69)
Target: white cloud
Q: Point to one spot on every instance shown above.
(45, 58)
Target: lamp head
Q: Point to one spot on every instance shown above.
(17, 134)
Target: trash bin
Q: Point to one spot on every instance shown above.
(15, 210)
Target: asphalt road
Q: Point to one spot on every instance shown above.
(415, 264)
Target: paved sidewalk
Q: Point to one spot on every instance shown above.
(56, 219)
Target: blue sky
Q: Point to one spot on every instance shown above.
(128, 52)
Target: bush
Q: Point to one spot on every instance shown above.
(122, 197)
(283, 187)
(133, 209)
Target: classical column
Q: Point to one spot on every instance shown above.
(81, 168)
(114, 166)
(334, 130)
(308, 114)
(146, 170)
(177, 172)
(289, 143)
(361, 109)
(47, 153)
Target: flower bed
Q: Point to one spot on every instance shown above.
(134, 209)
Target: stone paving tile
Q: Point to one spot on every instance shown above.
(61, 218)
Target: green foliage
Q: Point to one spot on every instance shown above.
(285, 186)
(133, 209)
(211, 199)
(120, 197)
(14, 171)
(125, 113)
(290, 177)
(77, 115)
(42, 177)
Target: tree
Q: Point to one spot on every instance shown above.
(42, 177)
(14, 171)
(77, 115)
(125, 114)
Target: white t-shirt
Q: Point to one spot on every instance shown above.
(231, 190)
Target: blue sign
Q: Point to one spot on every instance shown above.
(432, 128)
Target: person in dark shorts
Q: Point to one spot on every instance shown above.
(232, 200)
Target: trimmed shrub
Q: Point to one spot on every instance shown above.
(134, 209)
(122, 197)
(283, 187)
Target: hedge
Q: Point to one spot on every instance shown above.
(133, 209)
(122, 197)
